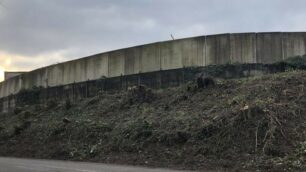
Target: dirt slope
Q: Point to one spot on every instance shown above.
(241, 124)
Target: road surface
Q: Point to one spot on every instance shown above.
(28, 165)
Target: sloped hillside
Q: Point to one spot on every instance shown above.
(239, 124)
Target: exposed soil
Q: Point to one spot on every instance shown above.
(256, 123)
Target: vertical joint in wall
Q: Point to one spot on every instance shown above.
(282, 40)
(205, 51)
(256, 48)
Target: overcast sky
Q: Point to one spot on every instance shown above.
(36, 33)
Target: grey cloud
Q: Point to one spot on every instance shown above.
(37, 27)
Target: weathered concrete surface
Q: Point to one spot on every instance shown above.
(56, 73)
(218, 49)
(201, 51)
(90, 66)
(294, 44)
(171, 55)
(269, 47)
(116, 63)
(150, 58)
(132, 60)
(8, 75)
(69, 73)
(243, 48)
(189, 52)
(101, 66)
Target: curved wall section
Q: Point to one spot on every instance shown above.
(196, 51)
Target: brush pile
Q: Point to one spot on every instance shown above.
(256, 123)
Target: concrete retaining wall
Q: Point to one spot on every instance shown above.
(156, 79)
(189, 52)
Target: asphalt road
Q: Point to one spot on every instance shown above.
(29, 165)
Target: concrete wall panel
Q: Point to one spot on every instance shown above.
(182, 53)
(11, 86)
(66, 76)
(90, 67)
(55, 75)
(269, 47)
(80, 70)
(116, 63)
(243, 48)
(201, 51)
(192, 53)
(7, 86)
(101, 66)
(132, 61)
(1, 89)
(189, 52)
(40, 77)
(171, 55)
(218, 49)
(294, 44)
(150, 58)
(27, 81)
(8, 75)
